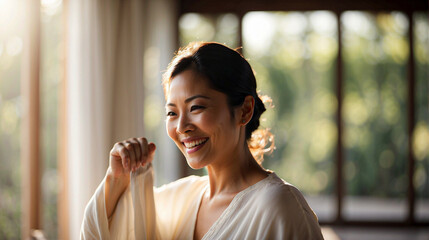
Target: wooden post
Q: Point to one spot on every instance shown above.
(411, 120)
(240, 32)
(63, 203)
(339, 118)
(30, 128)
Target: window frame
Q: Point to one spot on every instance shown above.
(240, 8)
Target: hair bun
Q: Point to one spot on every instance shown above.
(261, 141)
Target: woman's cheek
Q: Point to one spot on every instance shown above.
(208, 120)
(170, 129)
(171, 132)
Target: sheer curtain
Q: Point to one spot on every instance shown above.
(106, 42)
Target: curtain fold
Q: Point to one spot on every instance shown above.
(104, 91)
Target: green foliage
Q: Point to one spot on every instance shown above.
(10, 118)
(421, 131)
(298, 72)
(375, 103)
(50, 80)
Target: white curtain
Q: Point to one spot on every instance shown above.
(106, 43)
(160, 45)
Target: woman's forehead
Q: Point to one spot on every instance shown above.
(187, 82)
(188, 85)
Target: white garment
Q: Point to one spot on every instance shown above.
(269, 209)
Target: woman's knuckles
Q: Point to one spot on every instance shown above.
(130, 154)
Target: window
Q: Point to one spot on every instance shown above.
(11, 110)
(222, 28)
(339, 110)
(375, 55)
(421, 131)
(293, 55)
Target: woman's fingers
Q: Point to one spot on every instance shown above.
(124, 155)
(151, 150)
(128, 155)
(137, 151)
(130, 147)
(144, 151)
(148, 150)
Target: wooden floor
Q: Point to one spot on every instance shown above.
(359, 233)
(367, 209)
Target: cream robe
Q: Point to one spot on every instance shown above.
(269, 209)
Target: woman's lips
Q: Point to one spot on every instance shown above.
(194, 145)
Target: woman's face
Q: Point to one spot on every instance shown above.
(199, 121)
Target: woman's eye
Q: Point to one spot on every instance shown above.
(170, 114)
(196, 107)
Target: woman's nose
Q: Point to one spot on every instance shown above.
(184, 124)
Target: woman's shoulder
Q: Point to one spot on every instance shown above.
(276, 185)
(284, 204)
(277, 194)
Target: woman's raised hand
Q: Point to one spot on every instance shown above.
(125, 156)
(128, 155)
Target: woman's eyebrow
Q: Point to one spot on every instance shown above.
(194, 97)
(189, 99)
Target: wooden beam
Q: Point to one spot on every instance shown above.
(411, 120)
(243, 6)
(30, 129)
(63, 202)
(240, 32)
(339, 119)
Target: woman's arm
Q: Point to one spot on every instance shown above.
(125, 157)
(133, 209)
(114, 187)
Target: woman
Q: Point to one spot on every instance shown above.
(212, 110)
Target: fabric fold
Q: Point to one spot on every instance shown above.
(144, 205)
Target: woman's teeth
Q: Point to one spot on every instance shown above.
(194, 143)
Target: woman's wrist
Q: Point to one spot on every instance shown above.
(114, 187)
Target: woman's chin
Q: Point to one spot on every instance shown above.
(195, 164)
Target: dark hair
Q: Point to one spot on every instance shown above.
(228, 72)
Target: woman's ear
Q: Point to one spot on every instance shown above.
(246, 110)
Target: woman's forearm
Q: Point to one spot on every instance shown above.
(125, 157)
(113, 190)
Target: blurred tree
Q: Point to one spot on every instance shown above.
(294, 64)
(421, 131)
(51, 71)
(221, 28)
(375, 114)
(11, 44)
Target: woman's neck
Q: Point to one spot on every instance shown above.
(234, 173)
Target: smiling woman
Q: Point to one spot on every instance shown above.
(199, 122)
(212, 110)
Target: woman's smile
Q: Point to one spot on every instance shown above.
(193, 145)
